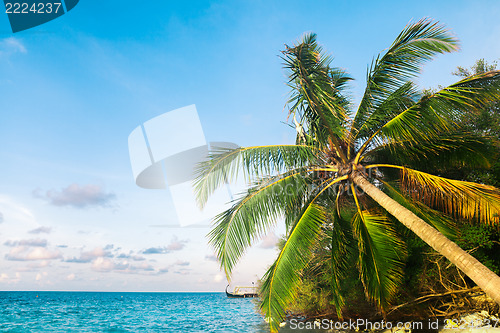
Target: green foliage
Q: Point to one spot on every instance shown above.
(484, 242)
(481, 66)
(486, 123)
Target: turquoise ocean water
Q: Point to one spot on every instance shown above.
(127, 312)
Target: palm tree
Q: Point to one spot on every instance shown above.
(356, 172)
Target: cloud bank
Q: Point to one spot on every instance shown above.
(89, 256)
(78, 196)
(41, 230)
(27, 242)
(24, 253)
(174, 245)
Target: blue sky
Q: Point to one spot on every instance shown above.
(73, 89)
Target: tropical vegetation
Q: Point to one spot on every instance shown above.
(356, 176)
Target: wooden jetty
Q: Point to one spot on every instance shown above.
(242, 292)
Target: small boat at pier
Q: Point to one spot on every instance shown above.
(242, 292)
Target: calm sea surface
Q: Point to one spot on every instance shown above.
(127, 312)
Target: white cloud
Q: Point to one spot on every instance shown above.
(181, 263)
(110, 265)
(130, 256)
(211, 257)
(103, 265)
(5, 278)
(40, 276)
(156, 250)
(88, 256)
(174, 245)
(14, 44)
(41, 230)
(183, 271)
(16, 213)
(218, 278)
(1, 217)
(23, 253)
(27, 242)
(10, 46)
(70, 277)
(269, 241)
(34, 266)
(78, 196)
(41, 264)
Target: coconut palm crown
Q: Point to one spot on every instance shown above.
(357, 173)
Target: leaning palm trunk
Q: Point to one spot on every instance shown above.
(480, 274)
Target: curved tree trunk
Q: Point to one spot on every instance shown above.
(488, 281)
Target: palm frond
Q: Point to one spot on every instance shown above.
(450, 150)
(251, 216)
(417, 43)
(335, 262)
(282, 278)
(458, 199)
(223, 165)
(381, 256)
(316, 90)
(441, 222)
(397, 102)
(439, 113)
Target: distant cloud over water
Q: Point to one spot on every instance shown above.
(41, 230)
(175, 245)
(27, 242)
(156, 250)
(78, 196)
(24, 253)
(130, 256)
(182, 263)
(88, 256)
(211, 257)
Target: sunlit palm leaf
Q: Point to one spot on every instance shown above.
(397, 102)
(441, 222)
(417, 43)
(467, 200)
(224, 165)
(251, 216)
(445, 152)
(459, 199)
(440, 112)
